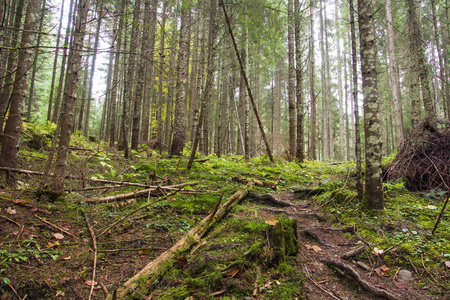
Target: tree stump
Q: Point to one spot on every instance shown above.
(283, 238)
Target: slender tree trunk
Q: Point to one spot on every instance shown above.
(171, 91)
(35, 59)
(13, 129)
(372, 125)
(70, 97)
(312, 86)
(179, 135)
(106, 111)
(339, 74)
(193, 96)
(324, 121)
(329, 102)
(147, 48)
(393, 72)
(299, 89)
(161, 75)
(291, 81)
(359, 185)
(277, 108)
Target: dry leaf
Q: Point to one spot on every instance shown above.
(67, 258)
(447, 264)
(232, 273)
(51, 245)
(58, 236)
(33, 209)
(91, 283)
(377, 251)
(382, 271)
(10, 211)
(59, 293)
(144, 251)
(313, 247)
(271, 222)
(402, 285)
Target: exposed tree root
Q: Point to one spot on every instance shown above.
(364, 284)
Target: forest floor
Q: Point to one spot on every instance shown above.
(47, 248)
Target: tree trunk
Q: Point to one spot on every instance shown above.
(339, 74)
(300, 146)
(161, 75)
(13, 129)
(171, 90)
(359, 185)
(325, 146)
(179, 134)
(70, 89)
(372, 127)
(312, 87)
(148, 50)
(291, 80)
(329, 102)
(11, 66)
(393, 72)
(277, 108)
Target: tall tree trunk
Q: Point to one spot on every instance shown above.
(299, 88)
(291, 81)
(129, 79)
(324, 121)
(393, 72)
(179, 134)
(70, 89)
(339, 74)
(148, 50)
(106, 111)
(207, 96)
(13, 129)
(35, 59)
(312, 85)
(372, 127)
(11, 66)
(171, 91)
(55, 61)
(277, 108)
(193, 96)
(93, 62)
(359, 185)
(115, 79)
(329, 102)
(161, 75)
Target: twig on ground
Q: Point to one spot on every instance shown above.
(135, 211)
(216, 207)
(20, 298)
(426, 270)
(258, 275)
(94, 242)
(442, 212)
(392, 247)
(56, 227)
(319, 286)
(12, 221)
(353, 253)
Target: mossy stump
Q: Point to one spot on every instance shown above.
(283, 238)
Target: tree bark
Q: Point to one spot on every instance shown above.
(300, 145)
(13, 129)
(291, 81)
(339, 74)
(70, 88)
(372, 127)
(312, 85)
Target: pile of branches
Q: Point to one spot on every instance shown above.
(423, 159)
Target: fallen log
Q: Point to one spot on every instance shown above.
(271, 199)
(352, 273)
(135, 194)
(353, 253)
(159, 265)
(271, 185)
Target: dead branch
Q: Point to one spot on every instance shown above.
(56, 227)
(133, 212)
(352, 273)
(95, 188)
(145, 192)
(271, 185)
(269, 198)
(94, 244)
(353, 253)
(194, 235)
(442, 212)
(12, 221)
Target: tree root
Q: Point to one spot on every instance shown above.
(364, 284)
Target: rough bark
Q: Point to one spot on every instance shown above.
(372, 127)
(291, 81)
(179, 134)
(66, 123)
(312, 85)
(13, 129)
(161, 75)
(300, 139)
(339, 74)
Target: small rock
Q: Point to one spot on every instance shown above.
(405, 276)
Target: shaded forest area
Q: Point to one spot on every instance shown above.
(224, 149)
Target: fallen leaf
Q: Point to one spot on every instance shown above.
(51, 245)
(60, 293)
(58, 236)
(144, 251)
(91, 283)
(377, 251)
(313, 247)
(447, 264)
(34, 209)
(67, 258)
(219, 292)
(384, 268)
(232, 273)
(271, 222)
(10, 211)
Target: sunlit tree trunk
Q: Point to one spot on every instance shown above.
(13, 128)
(372, 125)
(171, 91)
(70, 89)
(329, 103)
(300, 139)
(277, 108)
(325, 144)
(339, 74)
(159, 105)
